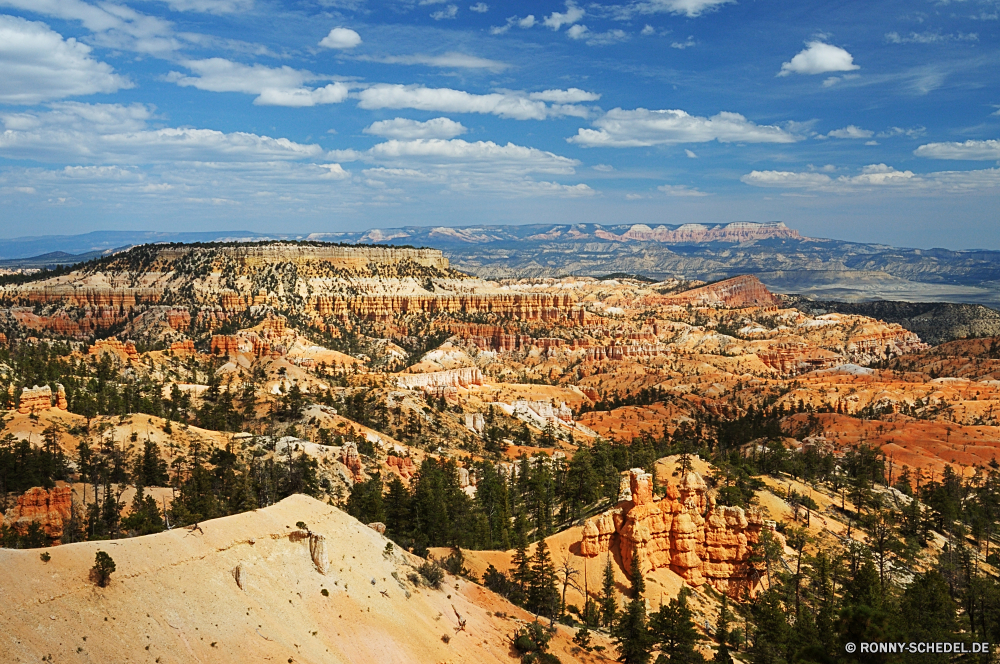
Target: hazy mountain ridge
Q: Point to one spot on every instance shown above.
(783, 259)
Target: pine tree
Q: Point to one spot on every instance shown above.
(722, 655)
(674, 632)
(609, 598)
(521, 562)
(543, 595)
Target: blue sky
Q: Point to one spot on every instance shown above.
(857, 120)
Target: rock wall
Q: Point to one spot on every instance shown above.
(185, 347)
(519, 306)
(685, 531)
(47, 508)
(451, 378)
(125, 350)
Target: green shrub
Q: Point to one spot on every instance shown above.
(103, 567)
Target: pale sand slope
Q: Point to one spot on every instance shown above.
(176, 594)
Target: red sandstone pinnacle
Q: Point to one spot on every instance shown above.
(48, 508)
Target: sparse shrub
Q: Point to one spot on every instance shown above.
(324, 592)
(45, 556)
(388, 549)
(103, 567)
(582, 637)
(433, 575)
(301, 525)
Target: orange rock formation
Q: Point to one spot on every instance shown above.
(47, 508)
(684, 531)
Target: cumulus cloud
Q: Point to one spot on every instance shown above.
(450, 60)
(556, 20)
(642, 127)
(680, 190)
(689, 8)
(406, 129)
(879, 177)
(111, 133)
(446, 100)
(274, 86)
(687, 43)
(480, 8)
(969, 150)
(690, 154)
(819, 58)
(341, 38)
(850, 132)
(113, 25)
(451, 11)
(39, 65)
(648, 30)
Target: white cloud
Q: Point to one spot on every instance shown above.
(642, 127)
(648, 30)
(39, 65)
(450, 60)
(911, 132)
(406, 129)
(578, 32)
(274, 86)
(446, 100)
(879, 177)
(689, 8)
(480, 8)
(112, 25)
(603, 38)
(680, 190)
(603, 168)
(111, 133)
(570, 96)
(210, 6)
(850, 132)
(690, 154)
(929, 37)
(556, 20)
(334, 93)
(687, 43)
(341, 38)
(969, 150)
(479, 154)
(819, 58)
(451, 11)
(523, 23)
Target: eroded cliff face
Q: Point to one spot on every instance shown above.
(684, 531)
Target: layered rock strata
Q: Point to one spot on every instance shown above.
(464, 377)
